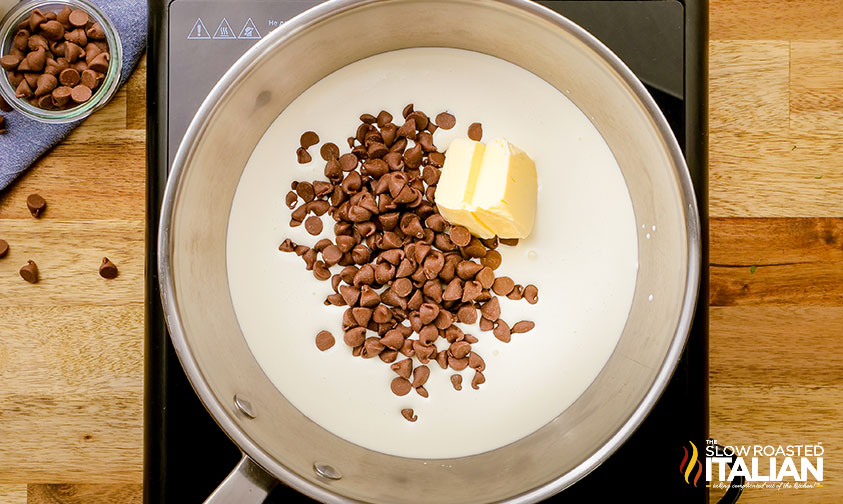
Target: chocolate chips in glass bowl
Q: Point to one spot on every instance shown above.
(406, 276)
(57, 59)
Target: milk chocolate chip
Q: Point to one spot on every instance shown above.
(29, 272)
(108, 269)
(36, 204)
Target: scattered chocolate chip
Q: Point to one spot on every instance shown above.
(503, 286)
(407, 111)
(329, 151)
(324, 340)
(36, 204)
(531, 294)
(475, 132)
(291, 200)
(108, 269)
(502, 331)
(446, 121)
(523, 326)
(29, 272)
(477, 380)
(309, 139)
(302, 156)
(456, 381)
(409, 414)
(4, 248)
(511, 242)
(313, 225)
(401, 386)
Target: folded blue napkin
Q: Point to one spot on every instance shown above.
(25, 139)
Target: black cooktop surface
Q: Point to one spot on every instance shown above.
(193, 42)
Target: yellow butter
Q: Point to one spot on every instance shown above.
(491, 190)
(456, 186)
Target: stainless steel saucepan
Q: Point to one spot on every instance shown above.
(278, 442)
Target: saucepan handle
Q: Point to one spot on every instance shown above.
(736, 488)
(246, 484)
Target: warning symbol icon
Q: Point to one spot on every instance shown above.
(198, 32)
(224, 31)
(249, 31)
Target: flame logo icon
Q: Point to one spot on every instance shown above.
(686, 467)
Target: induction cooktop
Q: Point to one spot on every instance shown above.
(193, 42)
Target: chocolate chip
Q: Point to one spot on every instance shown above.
(108, 269)
(78, 18)
(302, 156)
(36, 204)
(531, 294)
(477, 380)
(4, 248)
(384, 118)
(92, 80)
(329, 151)
(486, 277)
(491, 310)
(503, 286)
(324, 340)
(502, 331)
(475, 132)
(29, 272)
(400, 386)
(348, 162)
(408, 413)
(523, 326)
(309, 139)
(420, 376)
(407, 111)
(456, 381)
(511, 242)
(5, 107)
(69, 77)
(460, 236)
(80, 93)
(517, 293)
(437, 159)
(492, 259)
(445, 121)
(313, 225)
(476, 362)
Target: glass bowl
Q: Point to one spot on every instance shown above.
(109, 85)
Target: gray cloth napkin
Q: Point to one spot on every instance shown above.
(25, 139)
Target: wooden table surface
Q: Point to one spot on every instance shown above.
(71, 347)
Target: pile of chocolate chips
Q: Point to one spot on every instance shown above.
(407, 275)
(57, 59)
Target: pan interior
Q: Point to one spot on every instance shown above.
(582, 255)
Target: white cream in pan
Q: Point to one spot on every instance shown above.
(582, 255)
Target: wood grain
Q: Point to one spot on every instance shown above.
(84, 494)
(776, 19)
(776, 261)
(71, 346)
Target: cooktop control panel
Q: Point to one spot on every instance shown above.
(206, 38)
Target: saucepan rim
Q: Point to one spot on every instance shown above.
(242, 68)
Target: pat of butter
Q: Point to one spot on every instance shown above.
(491, 190)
